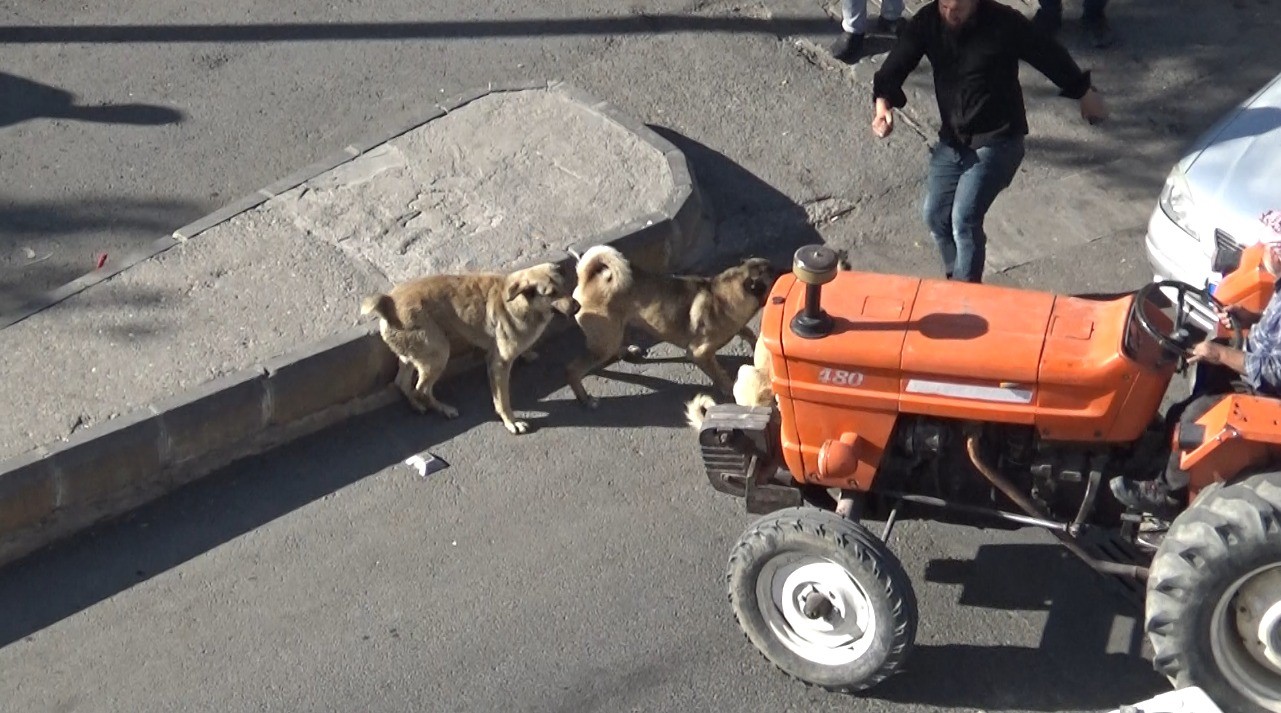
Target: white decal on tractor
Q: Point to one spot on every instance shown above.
(1003, 394)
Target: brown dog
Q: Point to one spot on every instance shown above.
(753, 386)
(424, 320)
(700, 314)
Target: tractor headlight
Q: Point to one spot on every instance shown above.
(1176, 201)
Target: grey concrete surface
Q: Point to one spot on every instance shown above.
(508, 178)
(578, 568)
(503, 180)
(779, 138)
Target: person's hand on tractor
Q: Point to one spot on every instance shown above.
(1244, 317)
(1215, 353)
(883, 123)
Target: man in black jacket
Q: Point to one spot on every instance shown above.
(974, 48)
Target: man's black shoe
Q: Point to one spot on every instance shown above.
(848, 47)
(886, 25)
(1147, 496)
(1098, 32)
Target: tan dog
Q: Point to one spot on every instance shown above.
(700, 314)
(424, 320)
(751, 388)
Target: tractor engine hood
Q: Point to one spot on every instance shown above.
(966, 351)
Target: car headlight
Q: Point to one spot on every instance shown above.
(1176, 202)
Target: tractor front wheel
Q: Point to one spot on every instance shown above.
(822, 598)
(1214, 596)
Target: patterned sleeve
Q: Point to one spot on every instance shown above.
(1263, 356)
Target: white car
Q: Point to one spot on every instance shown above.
(1214, 199)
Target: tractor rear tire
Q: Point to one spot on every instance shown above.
(822, 598)
(1213, 610)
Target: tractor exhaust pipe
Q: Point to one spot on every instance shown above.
(1003, 485)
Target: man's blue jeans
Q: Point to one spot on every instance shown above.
(854, 14)
(963, 183)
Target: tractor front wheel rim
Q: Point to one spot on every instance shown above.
(838, 632)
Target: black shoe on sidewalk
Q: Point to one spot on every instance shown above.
(887, 26)
(1098, 32)
(1146, 496)
(848, 47)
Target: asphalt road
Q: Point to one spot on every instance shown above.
(577, 568)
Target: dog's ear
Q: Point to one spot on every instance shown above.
(843, 260)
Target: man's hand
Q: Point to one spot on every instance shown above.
(1244, 317)
(1093, 109)
(883, 124)
(1208, 352)
(1215, 353)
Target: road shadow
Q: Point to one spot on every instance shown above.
(32, 262)
(637, 22)
(1090, 654)
(1177, 68)
(67, 577)
(26, 99)
(750, 216)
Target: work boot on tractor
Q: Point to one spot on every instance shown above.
(1146, 496)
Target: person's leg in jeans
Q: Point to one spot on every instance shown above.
(891, 19)
(987, 171)
(945, 171)
(853, 25)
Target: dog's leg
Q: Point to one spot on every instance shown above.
(529, 356)
(604, 340)
(430, 356)
(748, 336)
(500, 371)
(705, 358)
(405, 380)
(427, 377)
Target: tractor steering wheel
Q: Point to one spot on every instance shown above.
(1196, 311)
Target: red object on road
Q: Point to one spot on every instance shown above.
(102, 260)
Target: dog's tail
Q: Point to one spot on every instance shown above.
(383, 306)
(604, 270)
(696, 410)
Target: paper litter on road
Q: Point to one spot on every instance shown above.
(1185, 700)
(426, 463)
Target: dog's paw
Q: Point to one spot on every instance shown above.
(448, 411)
(591, 403)
(529, 356)
(518, 427)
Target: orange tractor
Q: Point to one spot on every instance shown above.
(977, 404)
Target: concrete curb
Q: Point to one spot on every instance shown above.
(107, 470)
